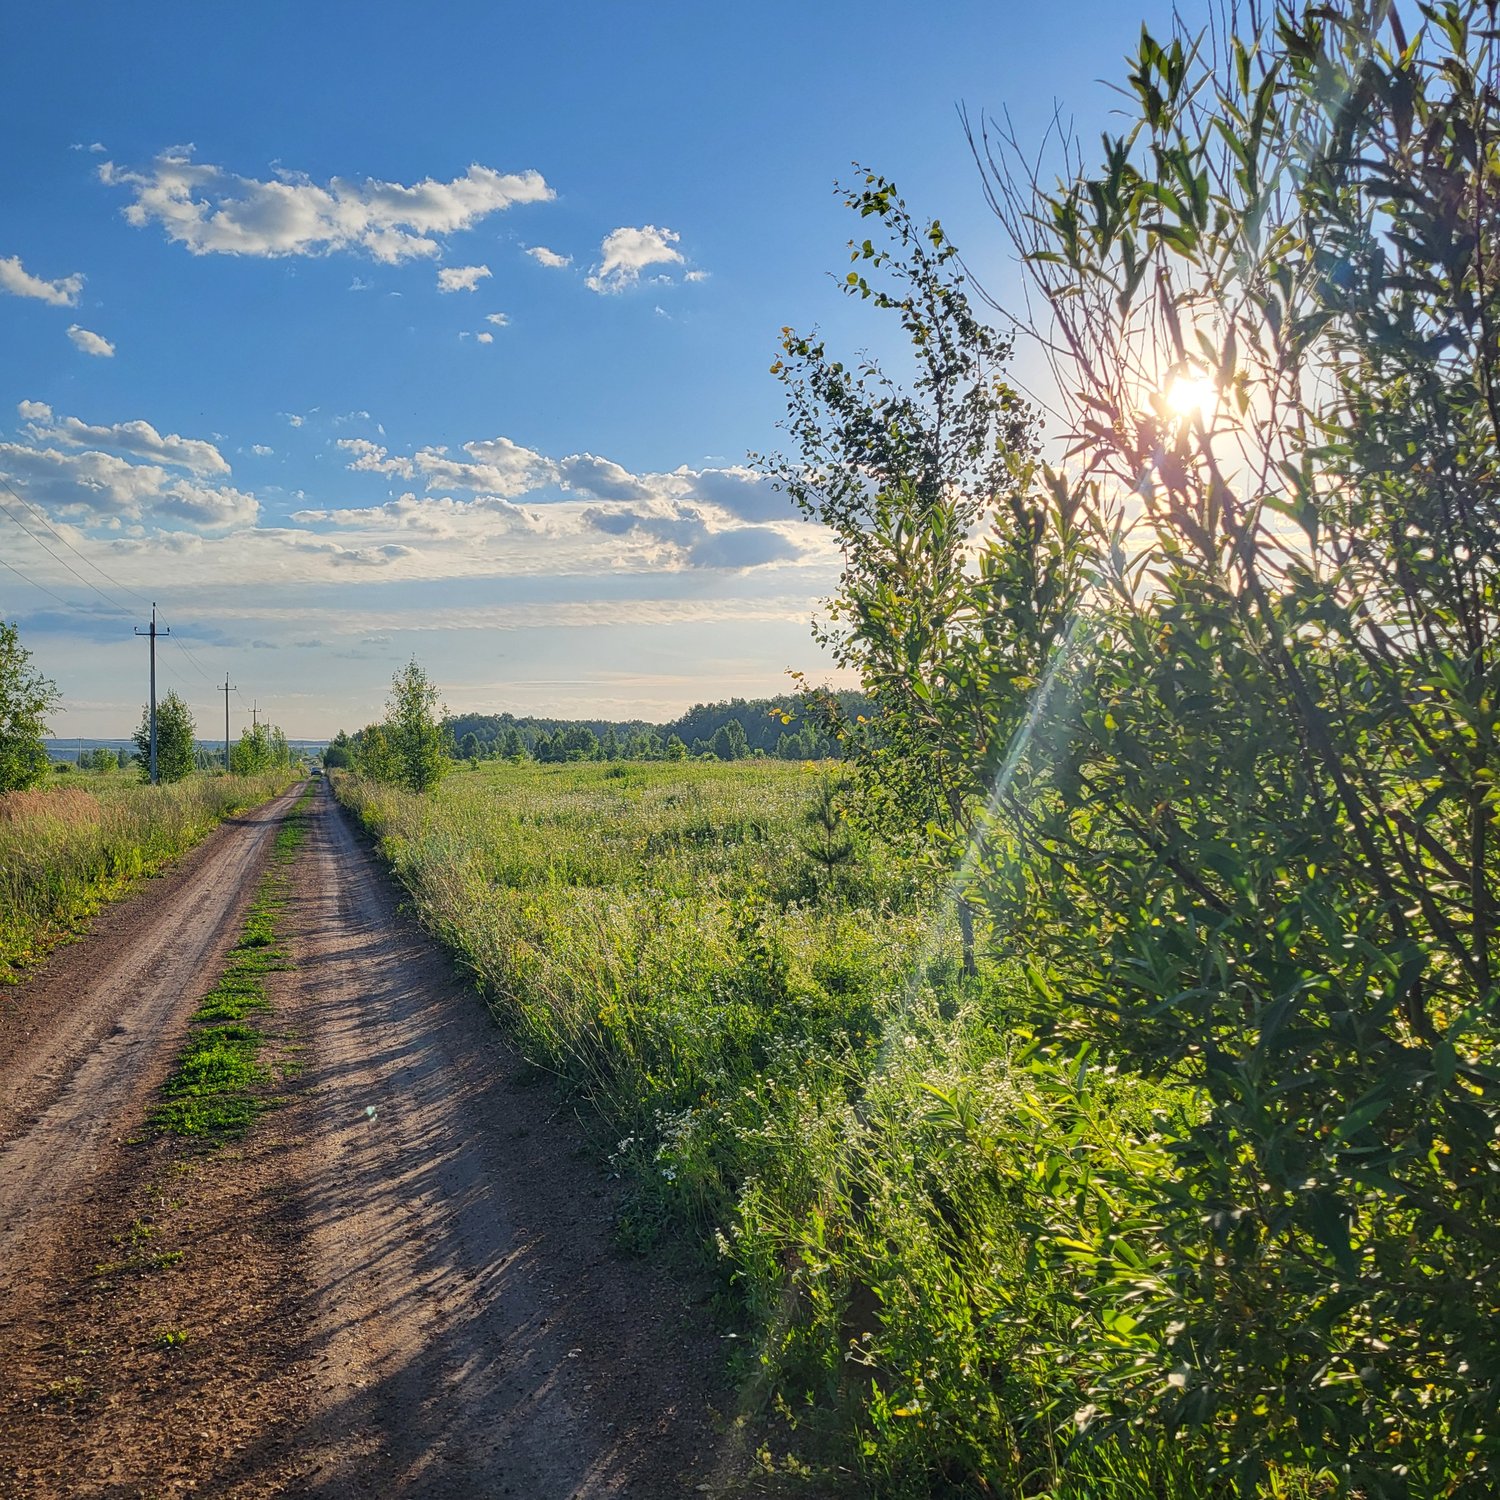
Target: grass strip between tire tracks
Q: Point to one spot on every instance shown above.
(218, 1084)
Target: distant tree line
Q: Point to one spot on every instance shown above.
(787, 727)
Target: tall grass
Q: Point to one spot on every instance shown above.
(905, 1190)
(66, 850)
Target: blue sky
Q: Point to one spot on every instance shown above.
(352, 332)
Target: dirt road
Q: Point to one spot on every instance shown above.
(84, 1042)
(402, 1284)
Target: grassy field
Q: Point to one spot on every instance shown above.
(910, 1197)
(67, 848)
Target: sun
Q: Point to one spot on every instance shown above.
(1192, 397)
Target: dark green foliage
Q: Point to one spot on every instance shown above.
(764, 722)
(26, 698)
(412, 747)
(831, 842)
(261, 748)
(1234, 804)
(729, 742)
(1266, 860)
(339, 754)
(416, 738)
(175, 729)
(904, 479)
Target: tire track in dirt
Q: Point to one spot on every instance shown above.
(87, 1038)
(474, 1330)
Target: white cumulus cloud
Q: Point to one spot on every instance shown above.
(742, 492)
(91, 343)
(432, 516)
(212, 210)
(496, 466)
(19, 282)
(624, 253)
(138, 437)
(484, 338)
(602, 478)
(101, 488)
(461, 278)
(372, 458)
(500, 320)
(550, 258)
(682, 536)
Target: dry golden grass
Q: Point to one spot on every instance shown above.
(65, 851)
(68, 805)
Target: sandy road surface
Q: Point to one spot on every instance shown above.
(475, 1331)
(86, 1039)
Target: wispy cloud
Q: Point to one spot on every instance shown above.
(624, 253)
(212, 210)
(19, 282)
(500, 320)
(91, 343)
(550, 258)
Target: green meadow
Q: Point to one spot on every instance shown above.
(905, 1190)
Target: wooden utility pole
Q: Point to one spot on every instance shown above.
(226, 690)
(153, 632)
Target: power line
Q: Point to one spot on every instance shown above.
(227, 689)
(41, 515)
(193, 660)
(37, 511)
(151, 632)
(67, 603)
(62, 561)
